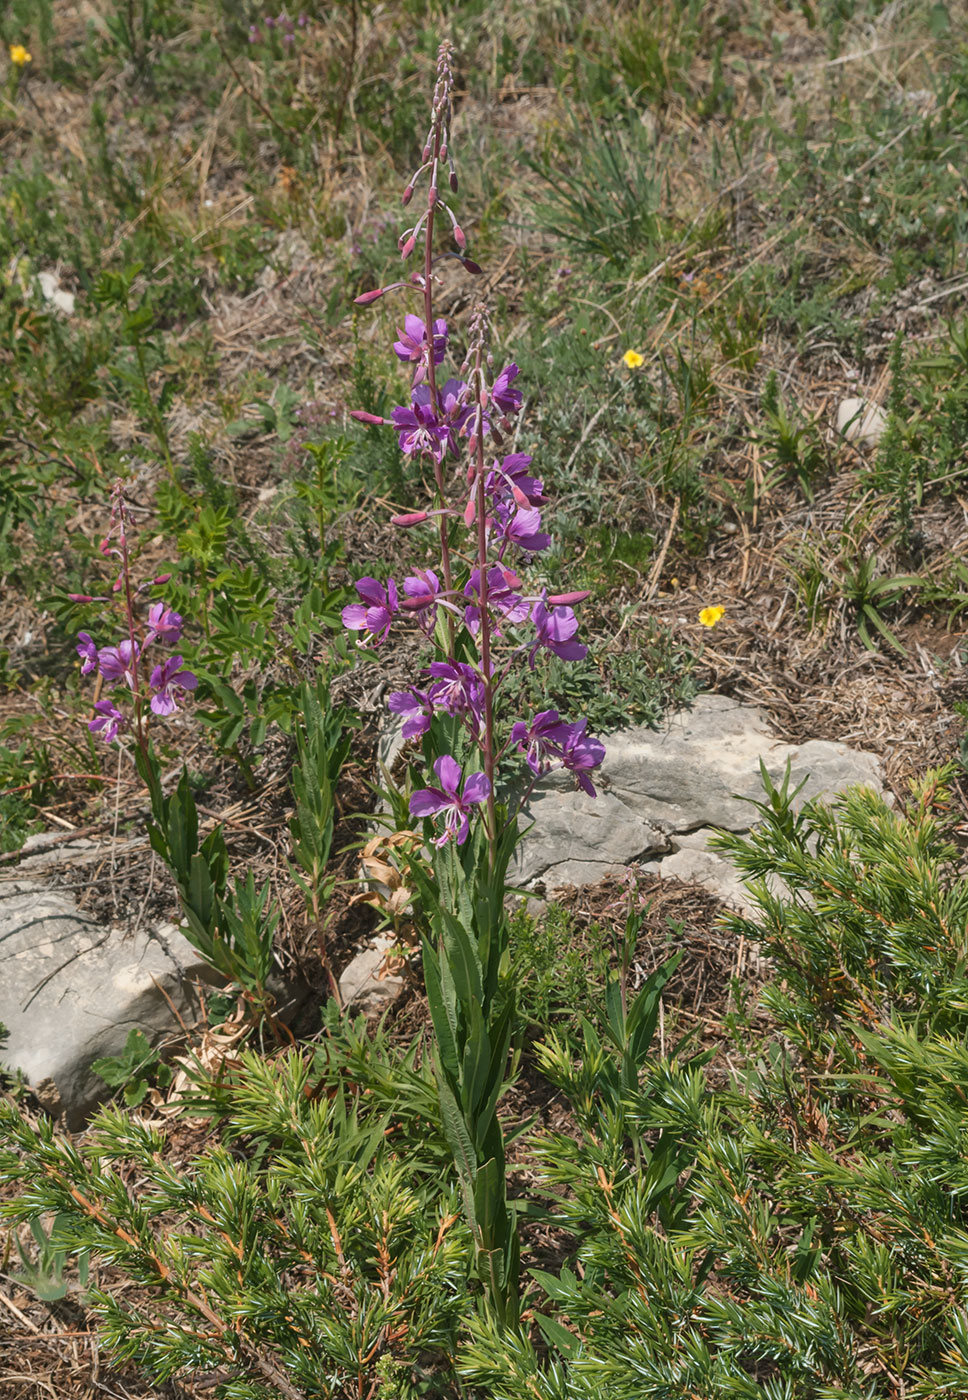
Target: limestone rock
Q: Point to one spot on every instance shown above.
(861, 422)
(362, 988)
(577, 839)
(52, 292)
(73, 989)
(656, 786)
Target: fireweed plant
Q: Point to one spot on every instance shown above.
(232, 927)
(482, 621)
(140, 678)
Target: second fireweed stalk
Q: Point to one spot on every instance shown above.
(482, 622)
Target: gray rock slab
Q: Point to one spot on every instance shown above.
(695, 863)
(72, 990)
(577, 839)
(362, 988)
(657, 785)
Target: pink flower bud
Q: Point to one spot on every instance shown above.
(362, 416)
(162, 578)
(415, 517)
(471, 266)
(81, 597)
(562, 598)
(431, 196)
(472, 443)
(407, 196)
(408, 247)
(459, 238)
(426, 152)
(520, 497)
(470, 512)
(367, 297)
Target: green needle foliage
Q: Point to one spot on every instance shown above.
(811, 1239)
(302, 1256)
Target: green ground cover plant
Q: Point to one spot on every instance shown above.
(699, 227)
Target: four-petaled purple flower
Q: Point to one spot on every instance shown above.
(510, 477)
(416, 707)
(521, 527)
(555, 629)
(508, 400)
(410, 348)
(581, 753)
(457, 690)
(502, 600)
(542, 740)
(420, 597)
(374, 615)
(87, 651)
(428, 802)
(164, 624)
(420, 431)
(118, 663)
(165, 680)
(109, 721)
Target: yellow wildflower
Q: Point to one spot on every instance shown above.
(710, 616)
(632, 359)
(19, 55)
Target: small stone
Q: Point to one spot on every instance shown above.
(51, 291)
(361, 988)
(861, 422)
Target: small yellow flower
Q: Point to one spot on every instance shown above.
(632, 359)
(710, 616)
(19, 55)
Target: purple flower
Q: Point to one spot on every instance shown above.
(417, 708)
(542, 739)
(87, 651)
(413, 338)
(165, 680)
(419, 429)
(507, 399)
(165, 624)
(109, 721)
(375, 613)
(427, 802)
(521, 527)
(453, 396)
(502, 600)
(555, 628)
(118, 663)
(457, 689)
(511, 477)
(421, 591)
(581, 753)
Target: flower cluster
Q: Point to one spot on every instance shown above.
(474, 607)
(281, 24)
(131, 662)
(127, 663)
(19, 55)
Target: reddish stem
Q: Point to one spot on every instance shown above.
(481, 503)
(428, 292)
